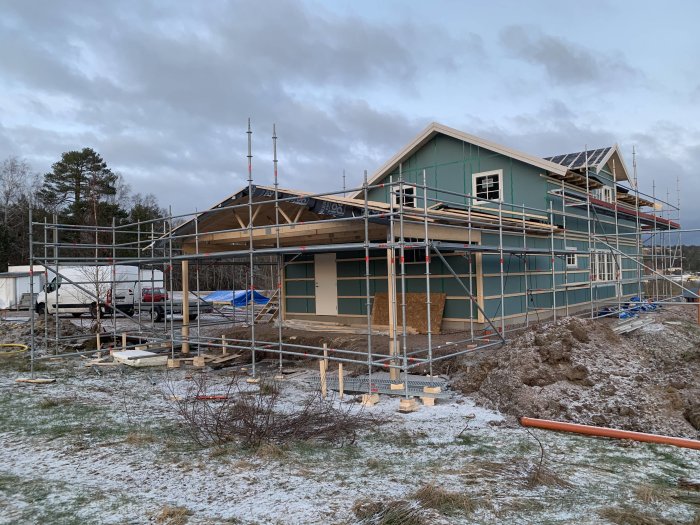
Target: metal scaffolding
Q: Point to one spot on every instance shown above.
(239, 232)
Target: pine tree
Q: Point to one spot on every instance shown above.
(79, 186)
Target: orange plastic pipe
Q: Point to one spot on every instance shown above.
(609, 432)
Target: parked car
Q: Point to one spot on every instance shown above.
(153, 295)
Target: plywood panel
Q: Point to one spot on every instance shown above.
(416, 311)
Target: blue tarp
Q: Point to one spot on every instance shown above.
(236, 297)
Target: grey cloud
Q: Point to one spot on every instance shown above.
(164, 96)
(565, 62)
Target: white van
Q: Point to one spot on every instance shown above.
(75, 289)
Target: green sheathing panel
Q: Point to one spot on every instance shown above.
(449, 165)
(352, 288)
(299, 284)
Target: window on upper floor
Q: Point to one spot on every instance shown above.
(487, 186)
(407, 194)
(606, 193)
(571, 259)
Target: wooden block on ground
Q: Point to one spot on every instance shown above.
(198, 361)
(397, 386)
(173, 363)
(35, 381)
(278, 377)
(253, 380)
(369, 400)
(222, 361)
(428, 401)
(408, 405)
(432, 389)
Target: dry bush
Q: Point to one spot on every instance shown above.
(139, 438)
(253, 419)
(630, 516)
(650, 494)
(398, 512)
(540, 474)
(173, 515)
(443, 500)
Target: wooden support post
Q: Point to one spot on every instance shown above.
(185, 307)
(341, 381)
(430, 401)
(324, 385)
(369, 400)
(325, 355)
(391, 283)
(223, 345)
(124, 341)
(97, 340)
(408, 405)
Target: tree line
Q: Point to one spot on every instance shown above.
(82, 190)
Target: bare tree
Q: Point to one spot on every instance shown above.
(15, 177)
(97, 280)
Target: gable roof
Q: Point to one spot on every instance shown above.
(435, 128)
(597, 159)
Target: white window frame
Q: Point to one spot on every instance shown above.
(573, 253)
(605, 266)
(398, 193)
(605, 194)
(476, 176)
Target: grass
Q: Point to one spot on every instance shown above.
(30, 495)
(542, 475)
(444, 501)
(632, 516)
(173, 515)
(651, 493)
(399, 512)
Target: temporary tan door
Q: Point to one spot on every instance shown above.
(326, 284)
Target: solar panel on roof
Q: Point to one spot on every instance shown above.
(581, 158)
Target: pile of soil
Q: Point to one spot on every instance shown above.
(13, 332)
(581, 371)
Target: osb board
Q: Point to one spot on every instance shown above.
(416, 311)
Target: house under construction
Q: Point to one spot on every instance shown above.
(454, 233)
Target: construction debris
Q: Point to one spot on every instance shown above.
(140, 358)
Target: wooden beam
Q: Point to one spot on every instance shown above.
(240, 221)
(286, 217)
(298, 215)
(185, 307)
(391, 287)
(287, 231)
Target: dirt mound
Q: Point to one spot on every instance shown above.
(13, 332)
(581, 371)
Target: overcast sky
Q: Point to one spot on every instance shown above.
(162, 90)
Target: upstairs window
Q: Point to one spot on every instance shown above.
(605, 193)
(488, 186)
(571, 259)
(408, 195)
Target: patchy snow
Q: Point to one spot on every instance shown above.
(105, 478)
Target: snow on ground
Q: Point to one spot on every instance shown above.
(109, 448)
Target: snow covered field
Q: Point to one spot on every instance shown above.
(110, 448)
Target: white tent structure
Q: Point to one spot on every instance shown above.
(15, 286)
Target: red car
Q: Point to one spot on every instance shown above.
(153, 295)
